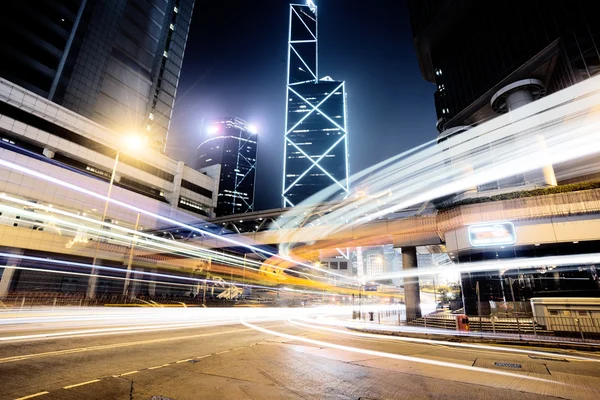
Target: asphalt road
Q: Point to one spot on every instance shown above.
(277, 359)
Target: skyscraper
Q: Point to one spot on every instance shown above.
(486, 60)
(116, 62)
(229, 157)
(316, 134)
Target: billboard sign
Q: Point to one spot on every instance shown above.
(492, 234)
(371, 287)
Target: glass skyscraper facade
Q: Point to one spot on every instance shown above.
(316, 134)
(229, 156)
(116, 62)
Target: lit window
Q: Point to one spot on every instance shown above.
(151, 117)
(165, 54)
(176, 9)
(172, 27)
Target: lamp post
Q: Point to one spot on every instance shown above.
(132, 143)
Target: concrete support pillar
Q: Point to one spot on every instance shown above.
(152, 285)
(48, 153)
(136, 285)
(6, 280)
(556, 280)
(92, 284)
(518, 98)
(173, 197)
(412, 297)
(512, 97)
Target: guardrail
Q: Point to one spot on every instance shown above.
(557, 328)
(30, 300)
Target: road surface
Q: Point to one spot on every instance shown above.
(274, 356)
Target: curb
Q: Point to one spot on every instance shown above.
(477, 339)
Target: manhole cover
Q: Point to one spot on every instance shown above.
(507, 365)
(546, 358)
(535, 367)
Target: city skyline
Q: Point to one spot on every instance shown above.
(388, 102)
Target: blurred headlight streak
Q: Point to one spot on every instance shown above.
(314, 324)
(508, 145)
(500, 264)
(394, 356)
(159, 217)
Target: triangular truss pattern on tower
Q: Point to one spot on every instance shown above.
(316, 134)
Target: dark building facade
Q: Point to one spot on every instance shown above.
(316, 134)
(229, 156)
(116, 62)
(471, 52)
(485, 61)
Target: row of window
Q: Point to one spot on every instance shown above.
(54, 129)
(196, 188)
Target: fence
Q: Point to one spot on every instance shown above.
(581, 328)
(28, 300)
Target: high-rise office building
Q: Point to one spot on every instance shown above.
(316, 134)
(488, 60)
(116, 62)
(229, 157)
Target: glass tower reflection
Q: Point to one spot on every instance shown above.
(315, 151)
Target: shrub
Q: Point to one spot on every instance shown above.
(572, 187)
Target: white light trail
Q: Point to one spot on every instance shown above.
(495, 265)
(393, 356)
(314, 324)
(503, 147)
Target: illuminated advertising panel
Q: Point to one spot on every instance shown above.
(492, 234)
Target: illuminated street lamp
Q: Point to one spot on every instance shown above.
(130, 143)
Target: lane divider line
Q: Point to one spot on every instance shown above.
(31, 396)
(119, 375)
(81, 384)
(114, 346)
(129, 373)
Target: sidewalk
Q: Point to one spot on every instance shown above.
(470, 337)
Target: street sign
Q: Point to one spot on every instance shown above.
(492, 234)
(371, 288)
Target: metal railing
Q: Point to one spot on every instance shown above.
(576, 328)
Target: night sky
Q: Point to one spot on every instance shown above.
(235, 64)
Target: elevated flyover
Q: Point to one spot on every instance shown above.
(552, 218)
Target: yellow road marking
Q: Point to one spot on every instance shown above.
(224, 351)
(182, 361)
(112, 346)
(129, 373)
(157, 367)
(31, 396)
(81, 384)
(208, 355)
